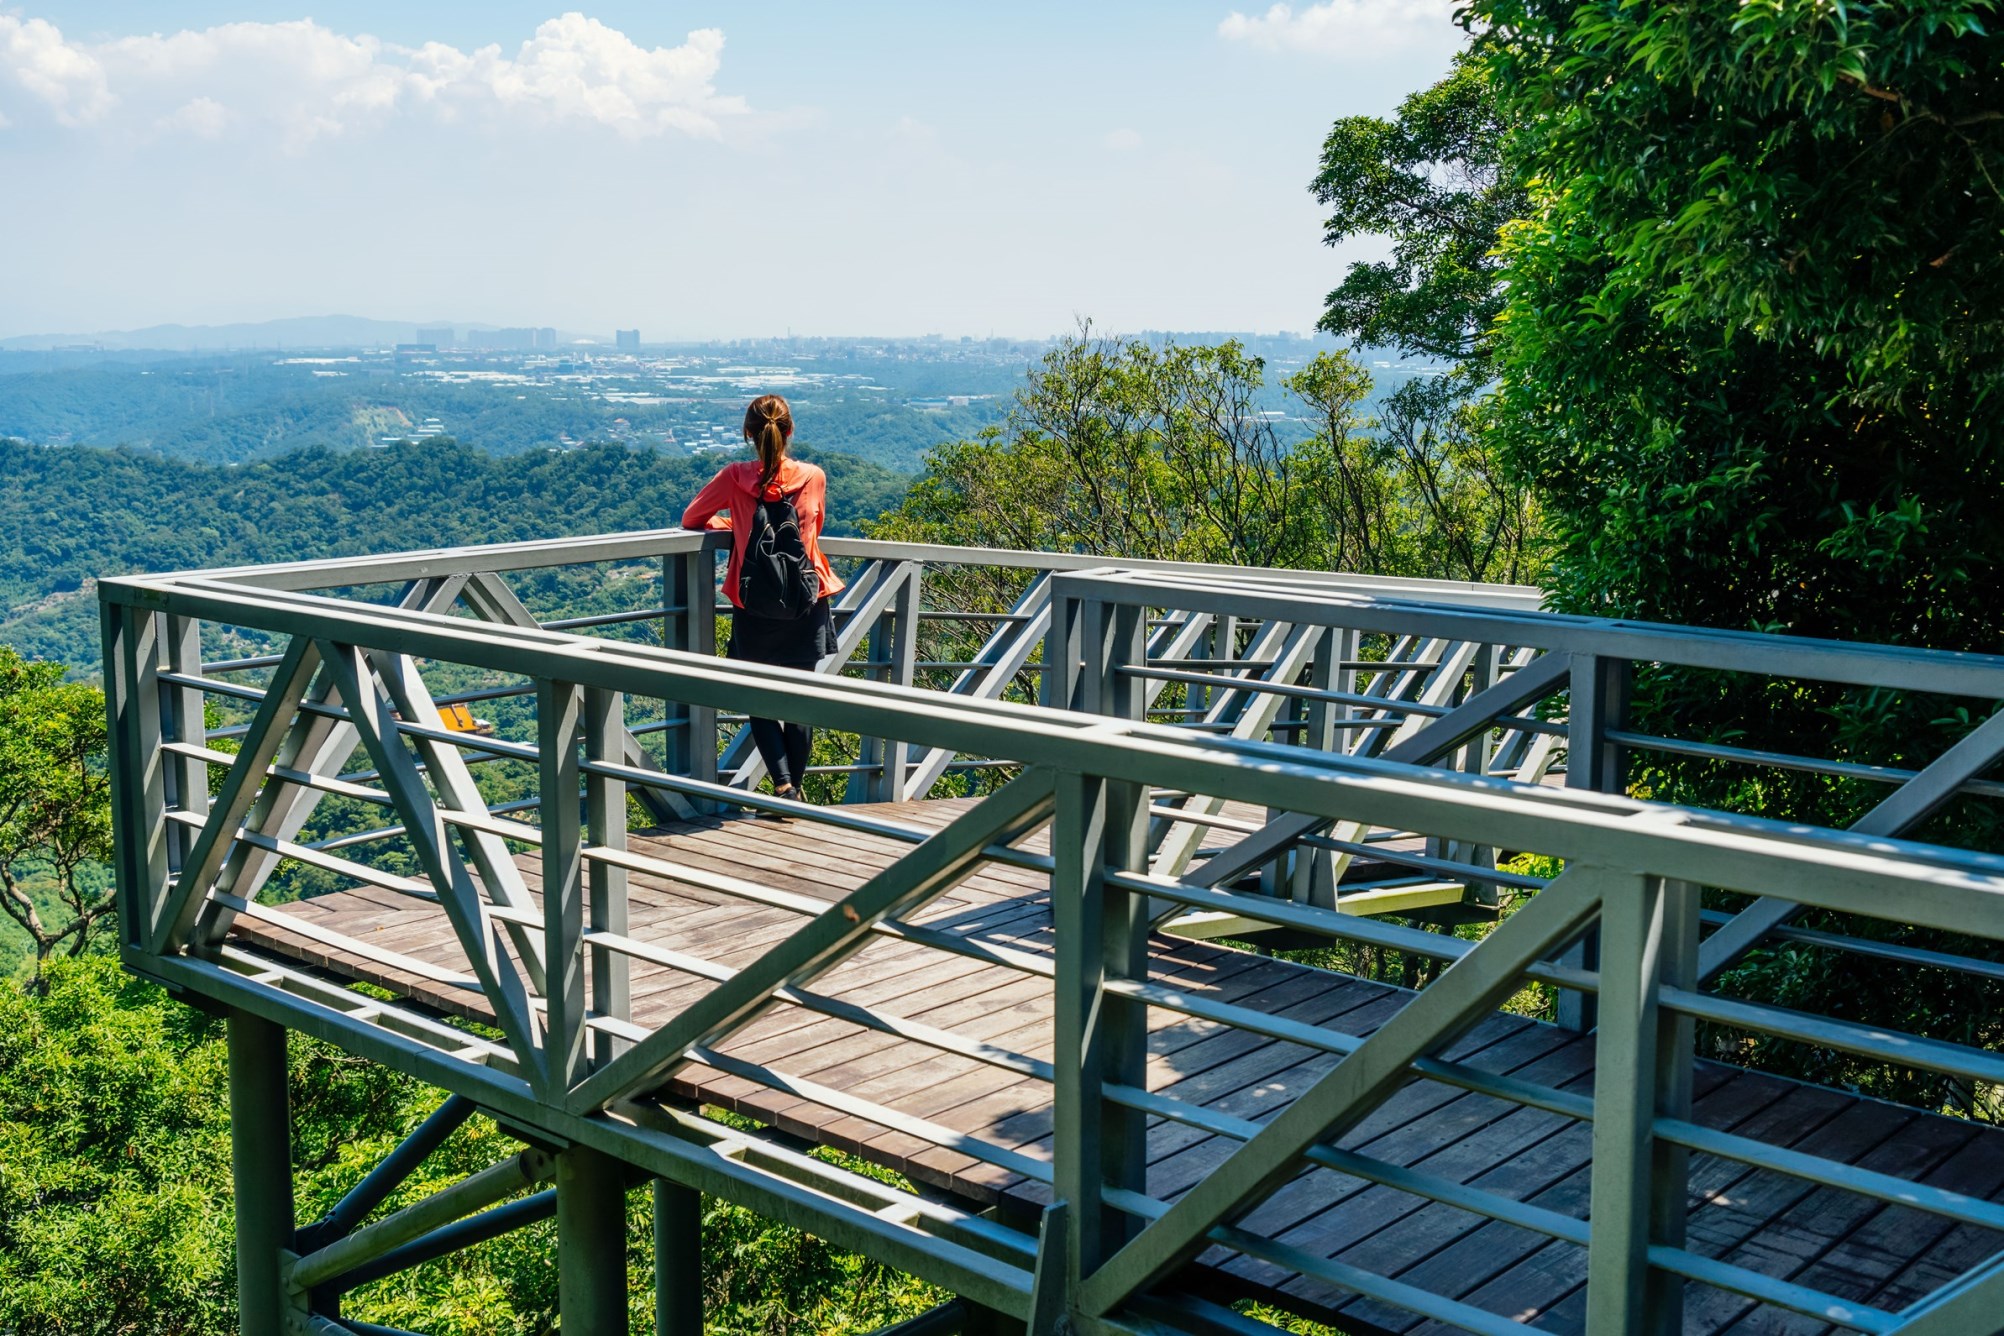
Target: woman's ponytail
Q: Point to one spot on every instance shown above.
(768, 426)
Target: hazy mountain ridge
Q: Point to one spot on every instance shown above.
(307, 331)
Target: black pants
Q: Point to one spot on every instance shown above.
(797, 643)
(783, 748)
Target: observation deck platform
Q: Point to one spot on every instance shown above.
(1007, 964)
(812, 1067)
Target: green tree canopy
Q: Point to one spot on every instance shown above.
(55, 807)
(1431, 179)
(1754, 321)
(1129, 450)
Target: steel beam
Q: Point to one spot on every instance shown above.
(388, 1175)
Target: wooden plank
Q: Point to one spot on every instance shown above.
(1789, 1243)
(1899, 1254)
(1536, 1274)
(1534, 1152)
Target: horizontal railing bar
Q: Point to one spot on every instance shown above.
(1892, 1046)
(917, 1031)
(1833, 1173)
(1225, 683)
(828, 816)
(1771, 1290)
(362, 872)
(1400, 1178)
(1515, 723)
(1865, 946)
(949, 615)
(490, 558)
(1253, 593)
(1446, 867)
(341, 941)
(1331, 923)
(1231, 665)
(1022, 961)
(511, 830)
(841, 1101)
(1323, 1039)
(606, 619)
(1718, 751)
(243, 665)
(1368, 1283)
(212, 685)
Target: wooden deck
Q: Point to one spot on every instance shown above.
(1837, 1242)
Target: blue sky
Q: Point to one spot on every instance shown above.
(699, 170)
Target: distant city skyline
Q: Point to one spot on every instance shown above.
(697, 171)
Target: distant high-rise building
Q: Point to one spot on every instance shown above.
(546, 338)
(626, 340)
(437, 338)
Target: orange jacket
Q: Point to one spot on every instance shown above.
(731, 491)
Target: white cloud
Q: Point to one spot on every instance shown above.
(1348, 28)
(1122, 140)
(303, 81)
(203, 117)
(66, 80)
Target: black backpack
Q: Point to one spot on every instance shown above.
(775, 579)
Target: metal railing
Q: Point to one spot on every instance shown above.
(1315, 702)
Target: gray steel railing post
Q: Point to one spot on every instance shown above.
(138, 780)
(261, 1167)
(1099, 1039)
(591, 1243)
(690, 625)
(1474, 759)
(559, 732)
(181, 720)
(1100, 932)
(1063, 652)
(1597, 702)
(892, 649)
(903, 671)
(605, 818)
(1642, 1072)
(678, 1260)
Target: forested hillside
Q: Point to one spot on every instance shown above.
(72, 514)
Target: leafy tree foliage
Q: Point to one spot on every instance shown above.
(1753, 321)
(1748, 353)
(116, 1213)
(55, 816)
(1125, 449)
(1432, 180)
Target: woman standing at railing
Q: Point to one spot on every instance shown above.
(778, 580)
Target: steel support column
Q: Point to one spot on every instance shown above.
(678, 1259)
(591, 1243)
(261, 1164)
